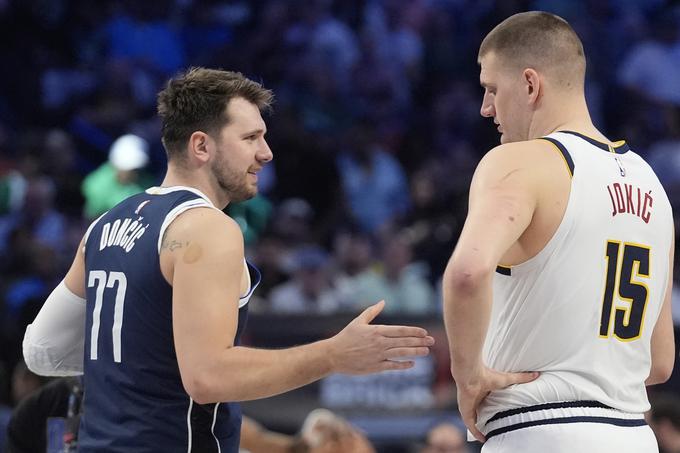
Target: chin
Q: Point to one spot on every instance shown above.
(248, 194)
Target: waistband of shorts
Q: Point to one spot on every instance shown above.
(557, 413)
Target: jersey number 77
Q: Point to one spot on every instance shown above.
(104, 280)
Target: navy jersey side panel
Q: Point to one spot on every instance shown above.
(134, 399)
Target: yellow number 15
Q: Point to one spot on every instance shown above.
(623, 265)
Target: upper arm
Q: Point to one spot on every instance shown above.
(207, 268)
(503, 198)
(75, 277)
(663, 338)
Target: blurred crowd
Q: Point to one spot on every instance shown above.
(375, 132)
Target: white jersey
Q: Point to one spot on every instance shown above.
(583, 309)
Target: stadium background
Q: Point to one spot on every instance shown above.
(375, 132)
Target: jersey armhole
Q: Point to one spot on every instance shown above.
(176, 211)
(89, 230)
(568, 161)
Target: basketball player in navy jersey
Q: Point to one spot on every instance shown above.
(156, 298)
(564, 265)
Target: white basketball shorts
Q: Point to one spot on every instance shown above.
(568, 427)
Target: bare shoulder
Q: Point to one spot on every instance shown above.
(524, 153)
(511, 158)
(528, 159)
(206, 226)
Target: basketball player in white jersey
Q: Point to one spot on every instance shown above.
(557, 296)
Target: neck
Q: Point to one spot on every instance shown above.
(563, 113)
(178, 177)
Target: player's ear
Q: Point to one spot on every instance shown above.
(199, 143)
(532, 85)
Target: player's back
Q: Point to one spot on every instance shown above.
(582, 311)
(134, 398)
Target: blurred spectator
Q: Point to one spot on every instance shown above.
(118, 178)
(60, 162)
(402, 283)
(353, 255)
(38, 216)
(292, 221)
(323, 40)
(446, 437)
(5, 409)
(252, 216)
(12, 190)
(435, 220)
(289, 230)
(373, 181)
(24, 382)
(664, 155)
(269, 255)
(393, 28)
(38, 422)
(652, 67)
(139, 32)
(325, 432)
(664, 419)
(311, 289)
(24, 292)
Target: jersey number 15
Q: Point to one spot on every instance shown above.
(634, 263)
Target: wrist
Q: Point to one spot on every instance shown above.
(328, 356)
(467, 375)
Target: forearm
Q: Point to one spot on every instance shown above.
(242, 373)
(53, 343)
(467, 310)
(662, 348)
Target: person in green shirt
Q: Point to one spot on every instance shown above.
(117, 178)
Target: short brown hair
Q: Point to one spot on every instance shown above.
(538, 40)
(196, 100)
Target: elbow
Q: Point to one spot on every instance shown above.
(660, 372)
(198, 388)
(41, 368)
(34, 367)
(34, 356)
(466, 277)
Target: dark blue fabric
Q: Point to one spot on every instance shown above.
(139, 404)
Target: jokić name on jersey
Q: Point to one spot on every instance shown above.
(640, 205)
(122, 233)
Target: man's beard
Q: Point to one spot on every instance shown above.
(232, 183)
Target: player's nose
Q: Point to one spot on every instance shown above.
(487, 110)
(265, 153)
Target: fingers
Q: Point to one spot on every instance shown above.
(402, 342)
(371, 312)
(508, 379)
(395, 353)
(387, 365)
(470, 419)
(477, 433)
(401, 331)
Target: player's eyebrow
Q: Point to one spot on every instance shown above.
(259, 131)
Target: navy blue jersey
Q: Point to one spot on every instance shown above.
(134, 398)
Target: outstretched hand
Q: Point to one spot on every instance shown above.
(362, 347)
(470, 395)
